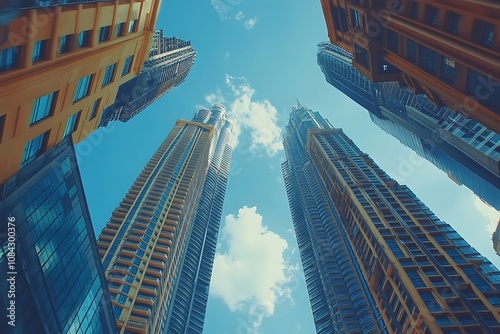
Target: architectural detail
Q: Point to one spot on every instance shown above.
(447, 49)
(159, 245)
(376, 259)
(59, 285)
(61, 65)
(169, 62)
(466, 150)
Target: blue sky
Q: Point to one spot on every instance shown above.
(256, 57)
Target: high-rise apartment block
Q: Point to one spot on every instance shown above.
(375, 258)
(465, 149)
(169, 62)
(52, 277)
(159, 245)
(448, 50)
(61, 65)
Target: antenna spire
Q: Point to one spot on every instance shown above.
(298, 102)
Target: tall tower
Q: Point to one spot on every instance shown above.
(376, 259)
(170, 60)
(466, 150)
(448, 50)
(159, 245)
(61, 65)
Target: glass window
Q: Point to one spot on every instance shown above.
(414, 10)
(392, 41)
(128, 65)
(132, 26)
(356, 21)
(431, 15)
(104, 33)
(361, 56)
(83, 87)
(448, 70)
(34, 148)
(411, 50)
(453, 22)
(484, 89)
(72, 124)
(9, 58)
(39, 51)
(428, 60)
(65, 44)
(84, 38)
(2, 125)
(343, 20)
(487, 34)
(109, 74)
(43, 107)
(120, 29)
(95, 108)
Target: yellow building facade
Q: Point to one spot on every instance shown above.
(61, 66)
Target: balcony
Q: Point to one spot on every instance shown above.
(162, 249)
(157, 264)
(154, 272)
(148, 290)
(145, 299)
(141, 310)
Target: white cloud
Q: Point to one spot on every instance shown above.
(251, 275)
(226, 55)
(214, 98)
(250, 23)
(259, 117)
(488, 212)
(222, 8)
(239, 16)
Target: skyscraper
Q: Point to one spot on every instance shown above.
(448, 50)
(52, 277)
(61, 64)
(169, 62)
(376, 259)
(159, 245)
(466, 150)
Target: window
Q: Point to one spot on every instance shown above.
(392, 41)
(132, 26)
(34, 148)
(431, 15)
(120, 29)
(65, 44)
(39, 51)
(428, 60)
(128, 65)
(355, 18)
(414, 10)
(453, 22)
(484, 89)
(104, 33)
(72, 124)
(84, 38)
(2, 125)
(9, 58)
(361, 56)
(448, 70)
(43, 107)
(343, 20)
(109, 74)
(83, 87)
(95, 108)
(486, 33)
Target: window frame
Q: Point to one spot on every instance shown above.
(109, 75)
(29, 154)
(84, 38)
(37, 114)
(104, 34)
(9, 58)
(72, 124)
(77, 97)
(39, 51)
(95, 108)
(127, 67)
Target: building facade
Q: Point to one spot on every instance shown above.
(169, 62)
(448, 50)
(61, 65)
(376, 259)
(53, 280)
(158, 247)
(463, 148)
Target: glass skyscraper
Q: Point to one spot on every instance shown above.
(170, 60)
(159, 245)
(466, 150)
(375, 258)
(49, 251)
